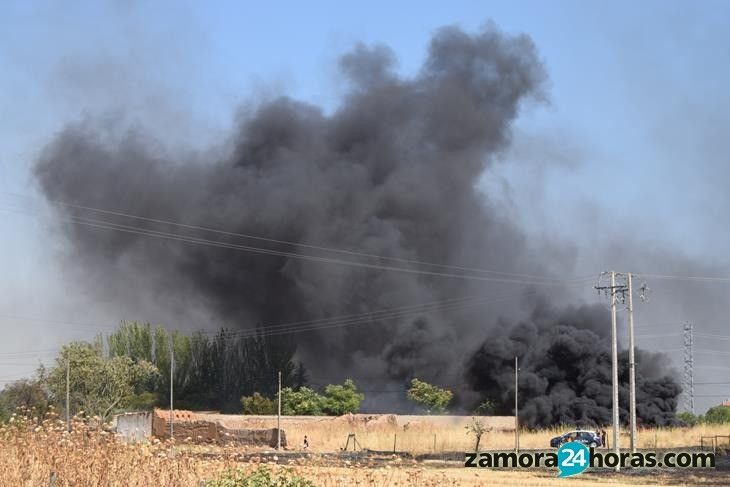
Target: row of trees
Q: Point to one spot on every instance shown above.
(340, 399)
(130, 370)
(210, 372)
(336, 400)
(714, 415)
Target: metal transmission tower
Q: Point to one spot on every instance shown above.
(688, 383)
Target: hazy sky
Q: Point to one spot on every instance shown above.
(628, 154)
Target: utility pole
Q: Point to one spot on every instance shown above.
(632, 368)
(172, 372)
(688, 377)
(613, 290)
(517, 416)
(614, 366)
(278, 418)
(68, 394)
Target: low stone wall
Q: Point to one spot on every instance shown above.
(189, 426)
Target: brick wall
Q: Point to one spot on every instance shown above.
(200, 430)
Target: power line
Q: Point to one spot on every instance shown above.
(713, 352)
(688, 278)
(370, 314)
(343, 320)
(263, 332)
(247, 248)
(287, 329)
(339, 250)
(293, 254)
(662, 335)
(714, 337)
(59, 322)
(44, 351)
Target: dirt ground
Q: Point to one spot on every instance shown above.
(332, 472)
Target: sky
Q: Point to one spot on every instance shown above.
(631, 139)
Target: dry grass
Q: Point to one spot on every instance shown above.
(31, 450)
(427, 438)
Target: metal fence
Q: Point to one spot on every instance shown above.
(714, 442)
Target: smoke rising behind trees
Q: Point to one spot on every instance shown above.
(393, 171)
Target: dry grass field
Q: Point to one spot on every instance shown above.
(427, 438)
(32, 452)
(432, 435)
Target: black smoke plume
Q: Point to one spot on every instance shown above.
(565, 371)
(393, 171)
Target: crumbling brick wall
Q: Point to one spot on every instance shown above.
(189, 425)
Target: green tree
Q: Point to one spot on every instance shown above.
(211, 372)
(27, 395)
(432, 398)
(98, 386)
(342, 399)
(688, 418)
(258, 404)
(134, 340)
(718, 415)
(302, 402)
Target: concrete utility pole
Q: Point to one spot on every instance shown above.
(614, 366)
(517, 415)
(632, 368)
(68, 394)
(278, 418)
(612, 290)
(172, 372)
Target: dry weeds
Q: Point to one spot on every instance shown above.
(32, 450)
(428, 438)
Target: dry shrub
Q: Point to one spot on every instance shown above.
(33, 448)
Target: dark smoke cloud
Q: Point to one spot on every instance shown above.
(392, 171)
(565, 371)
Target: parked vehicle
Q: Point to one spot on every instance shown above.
(588, 438)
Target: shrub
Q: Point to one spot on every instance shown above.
(688, 418)
(261, 477)
(718, 415)
(29, 395)
(478, 429)
(336, 400)
(304, 402)
(258, 404)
